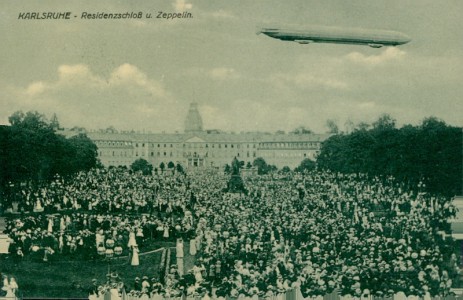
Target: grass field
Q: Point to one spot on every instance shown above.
(72, 279)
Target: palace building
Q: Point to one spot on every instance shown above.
(197, 147)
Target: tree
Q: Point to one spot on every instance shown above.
(31, 151)
(285, 169)
(301, 130)
(248, 165)
(429, 153)
(363, 126)
(385, 121)
(332, 126)
(261, 164)
(32, 120)
(86, 152)
(142, 165)
(348, 126)
(272, 168)
(170, 165)
(162, 166)
(180, 169)
(305, 165)
(16, 118)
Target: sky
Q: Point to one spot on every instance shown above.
(142, 74)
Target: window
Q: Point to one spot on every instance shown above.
(165, 153)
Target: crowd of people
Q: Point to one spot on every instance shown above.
(113, 209)
(317, 232)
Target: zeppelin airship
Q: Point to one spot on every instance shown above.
(337, 35)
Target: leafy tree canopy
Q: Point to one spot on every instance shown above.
(142, 165)
(261, 164)
(428, 153)
(31, 151)
(305, 165)
(332, 126)
(301, 130)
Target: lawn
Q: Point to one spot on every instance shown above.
(72, 279)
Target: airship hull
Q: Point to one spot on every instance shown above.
(336, 35)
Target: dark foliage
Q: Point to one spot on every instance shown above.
(142, 165)
(305, 165)
(261, 164)
(180, 169)
(31, 151)
(430, 153)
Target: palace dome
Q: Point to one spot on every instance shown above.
(193, 121)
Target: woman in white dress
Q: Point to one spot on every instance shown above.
(50, 225)
(62, 225)
(179, 248)
(135, 259)
(166, 231)
(132, 240)
(197, 271)
(193, 247)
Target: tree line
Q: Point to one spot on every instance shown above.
(31, 151)
(430, 153)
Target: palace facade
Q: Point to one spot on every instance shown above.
(197, 147)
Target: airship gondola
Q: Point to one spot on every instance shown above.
(337, 35)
